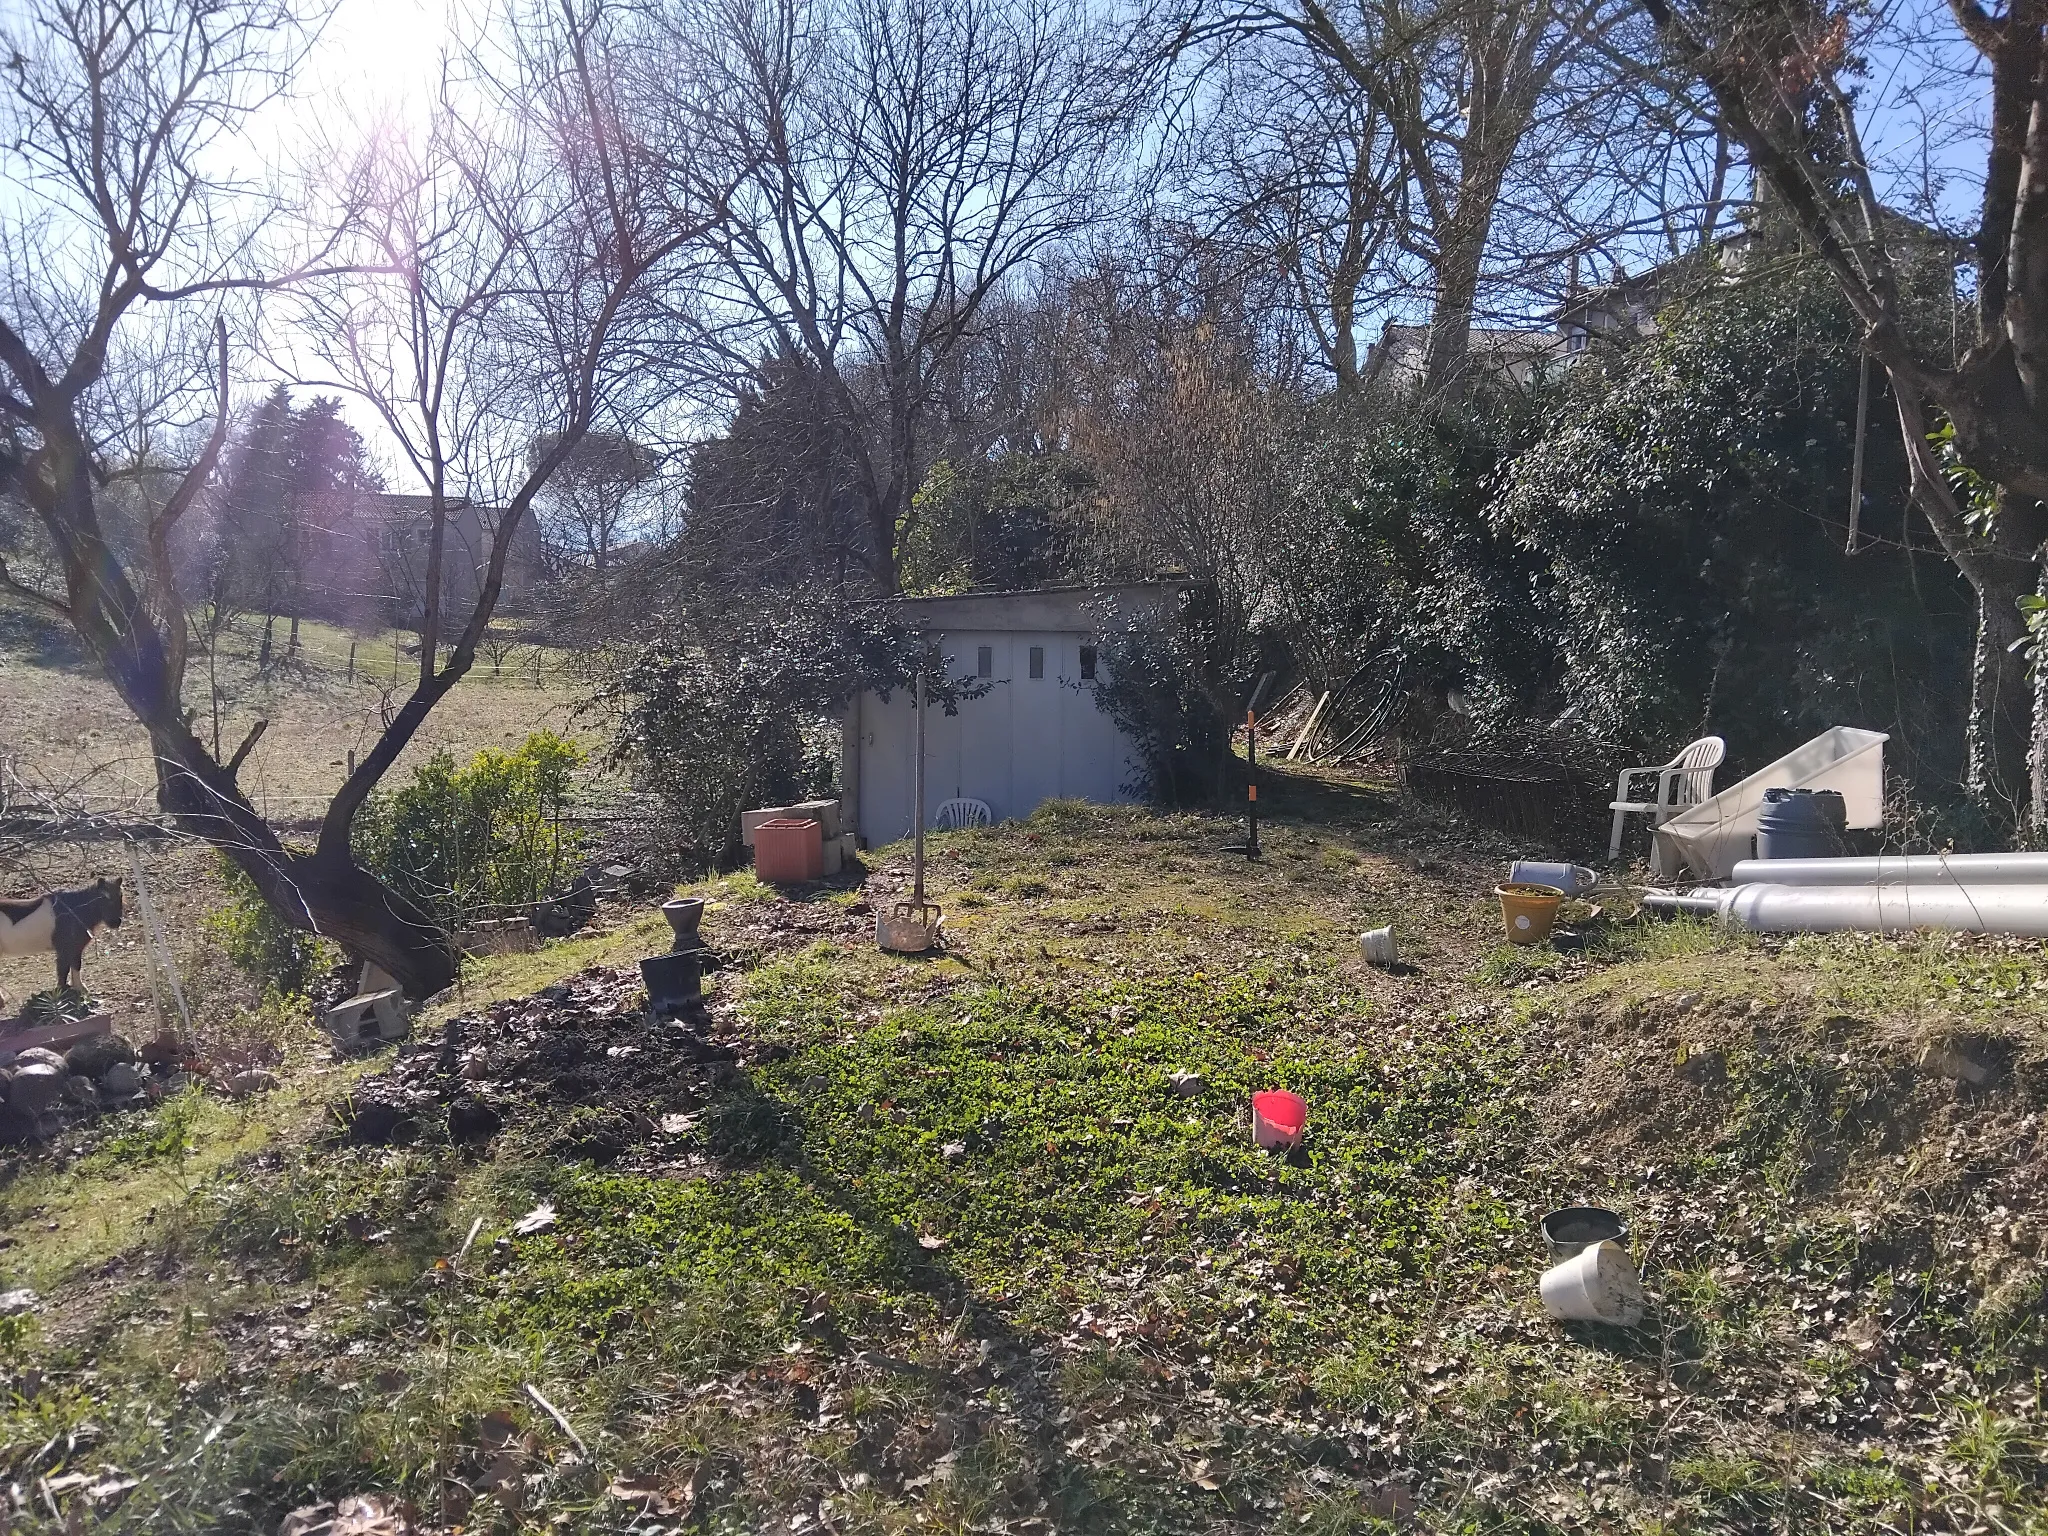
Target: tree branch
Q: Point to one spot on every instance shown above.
(49, 604)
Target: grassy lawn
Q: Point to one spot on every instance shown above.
(65, 728)
(951, 1249)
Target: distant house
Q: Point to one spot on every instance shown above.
(366, 555)
(402, 526)
(1626, 305)
(1399, 358)
(1037, 734)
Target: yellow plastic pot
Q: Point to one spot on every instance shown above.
(1528, 911)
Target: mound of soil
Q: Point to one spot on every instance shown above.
(583, 1060)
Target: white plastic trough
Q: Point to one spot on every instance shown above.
(1714, 836)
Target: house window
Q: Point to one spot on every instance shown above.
(1038, 661)
(1575, 340)
(1087, 663)
(985, 661)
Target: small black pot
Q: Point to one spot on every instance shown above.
(674, 981)
(1568, 1232)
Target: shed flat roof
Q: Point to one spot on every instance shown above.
(1075, 608)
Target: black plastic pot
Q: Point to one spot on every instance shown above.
(674, 981)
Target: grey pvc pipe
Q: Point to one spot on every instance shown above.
(2021, 910)
(1698, 904)
(1898, 869)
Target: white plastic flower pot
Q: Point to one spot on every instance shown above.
(1597, 1285)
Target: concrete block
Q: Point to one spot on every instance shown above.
(374, 978)
(824, 812)
(370, 1019)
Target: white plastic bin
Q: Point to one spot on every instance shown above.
(1714, 836)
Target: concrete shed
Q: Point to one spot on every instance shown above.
(1036, 735)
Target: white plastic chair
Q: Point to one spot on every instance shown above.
(953, 814)
(1681, 783)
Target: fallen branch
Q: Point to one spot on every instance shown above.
(556, 1414)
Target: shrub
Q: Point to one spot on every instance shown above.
(741, 708)
(492, 834)
(1153, 689)
(261, 943)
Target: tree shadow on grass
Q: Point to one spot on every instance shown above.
(1018, 1458)
(1287, 796)
(41, 639)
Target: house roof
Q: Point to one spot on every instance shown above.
(397, 504)
(1076, 609)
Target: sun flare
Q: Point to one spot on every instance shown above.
(379, 56)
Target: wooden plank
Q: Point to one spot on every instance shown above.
(1308, 727)
(19, 1035)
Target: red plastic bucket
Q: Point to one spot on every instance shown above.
(1278, 1119)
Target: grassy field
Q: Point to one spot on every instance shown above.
(63, 726)
(948, 1250)
(63, 729)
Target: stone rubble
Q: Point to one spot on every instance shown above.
(43, 1091)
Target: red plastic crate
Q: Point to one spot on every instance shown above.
(788, 850)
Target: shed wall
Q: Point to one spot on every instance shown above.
(1027, 740)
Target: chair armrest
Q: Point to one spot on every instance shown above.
(1621, 783)
(1667, 786)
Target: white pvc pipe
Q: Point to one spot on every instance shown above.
(2021, 910)
(1898, 869)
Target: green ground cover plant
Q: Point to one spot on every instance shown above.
(980, 1242)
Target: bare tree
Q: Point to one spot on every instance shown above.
(906, 159)
(1295, 173)
(1173, 401)
(508, 272)
(1419, 133)
(1783, 81)
(600, 502)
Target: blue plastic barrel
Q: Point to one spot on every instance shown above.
(1801, 824)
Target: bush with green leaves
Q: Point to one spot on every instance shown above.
(1153, 687)
(260, 943)
(491, 835)
(1685, 504)
(739, 706)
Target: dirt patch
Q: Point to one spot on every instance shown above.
(584, 1058)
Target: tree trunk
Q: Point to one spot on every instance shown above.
(371, 921)
(2037, 746)
(2002, 700)
(1450, 321)
(326, 894)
